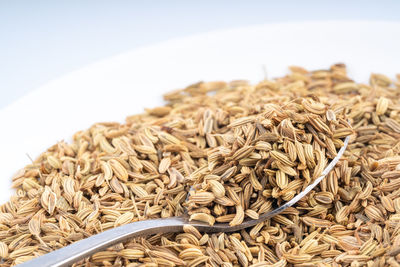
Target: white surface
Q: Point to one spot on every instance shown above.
(114, 88)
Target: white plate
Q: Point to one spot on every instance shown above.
(114, 88)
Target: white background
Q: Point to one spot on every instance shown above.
(42, 40)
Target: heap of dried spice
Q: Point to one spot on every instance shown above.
(271, 153)
(238, 148)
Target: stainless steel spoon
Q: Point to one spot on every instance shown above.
(86, 247)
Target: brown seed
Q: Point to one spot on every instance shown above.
(374, 213)
(202, 198)
(124, 219)
(190, 253)
(387, 203)
(282, 158)
(239, 217)
(54, 162)
(3, 250)
(217, 188)
(382, 105)
(131, 254)
(119, 170)
(203, 217)
(159, 111)
(164, 165)
(281, 179)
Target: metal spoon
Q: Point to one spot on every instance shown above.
(86, 247)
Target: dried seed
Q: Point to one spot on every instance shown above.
(239, 217)
(374, 213)
(124, 219)
(203, 217)
(387, 203)
(217, 188)
(3, 250)
(164, 165)
(119, 170)
(382, 105)
(202, 198)
(131, 254)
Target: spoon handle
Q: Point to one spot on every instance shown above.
(68, 255)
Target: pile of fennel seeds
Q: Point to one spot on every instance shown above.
(112, 174)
